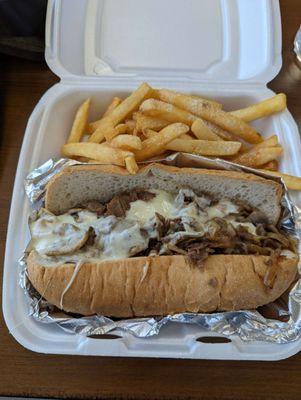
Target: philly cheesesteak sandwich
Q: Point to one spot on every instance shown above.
(166, 240)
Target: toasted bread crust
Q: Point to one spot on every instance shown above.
(146, 286)
(102, 182)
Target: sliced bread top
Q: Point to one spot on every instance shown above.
(77, 184)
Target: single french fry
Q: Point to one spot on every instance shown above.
(121, 112)
(271, 166)
(126, 142)
(257, 157)
(155, 145)
(131, 125)
(100, 152)
(272, 141)
(121, 129)
(291, 182)
(145, 122)
(99, 133)
(219, 117)
(149, 133)
(186, 136)
(202, 131)
(160, 109)
(225, 135)
(204, 147)
(160, 93)
(269, 142)
(80, 122)
(262, 109)
(92, 126)
(131, 165)
(114, 103)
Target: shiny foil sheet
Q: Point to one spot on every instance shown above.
(278, 322)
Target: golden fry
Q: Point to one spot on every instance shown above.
(114, 103)
(92, 126)
(159, 109)
(164, 95)
(271, 166)
(125, 108)
(186, 136)
(257, 157)
(126, 142)
(155, 145)
(131, 165)
(121, 129)
(100, 152)
(149, 133)
(145, 122)
(202, 131)
(204, 147)
(131, 125)
(291, 182)
(80, 122)
(262, 109)
(219, 117)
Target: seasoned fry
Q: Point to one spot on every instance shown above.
(80, 122)
(99, 133)
(262, 109)
(131, 165)
(100, 152)
(202, 131)
(125, 108)
(155, 145)
(186, 136)
(149, 133)
(271, 166)
(221, 118)
(225, 135)
(114, 103)
(247, 153)
(204, 147)
(145, 122)
(131, 125)
(126, 142)
(168, 112)
(120, 129)
(94, 125)
(256, 157)
(91, 127)
(269, 142)
(163, 94)
(291, 182)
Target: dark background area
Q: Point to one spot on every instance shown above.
(24, 373)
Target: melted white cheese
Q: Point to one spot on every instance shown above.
(288, 254)
(122, 240)
(118, 238)
(143, 211)
(222, 209)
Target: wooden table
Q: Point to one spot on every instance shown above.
(23, 373)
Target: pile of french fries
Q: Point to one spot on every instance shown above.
(154, 122)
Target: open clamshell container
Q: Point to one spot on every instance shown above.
(227, 50)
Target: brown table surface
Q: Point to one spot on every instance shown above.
(24, 373)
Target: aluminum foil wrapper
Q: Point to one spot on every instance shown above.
(297, 44)
(278, 322)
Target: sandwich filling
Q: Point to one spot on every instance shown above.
(156, 222)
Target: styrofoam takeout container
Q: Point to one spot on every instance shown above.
(224, 49)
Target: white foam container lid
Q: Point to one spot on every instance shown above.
(223, 49)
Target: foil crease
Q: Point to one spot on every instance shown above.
(250, 325)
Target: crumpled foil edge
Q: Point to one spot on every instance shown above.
(248, 325)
